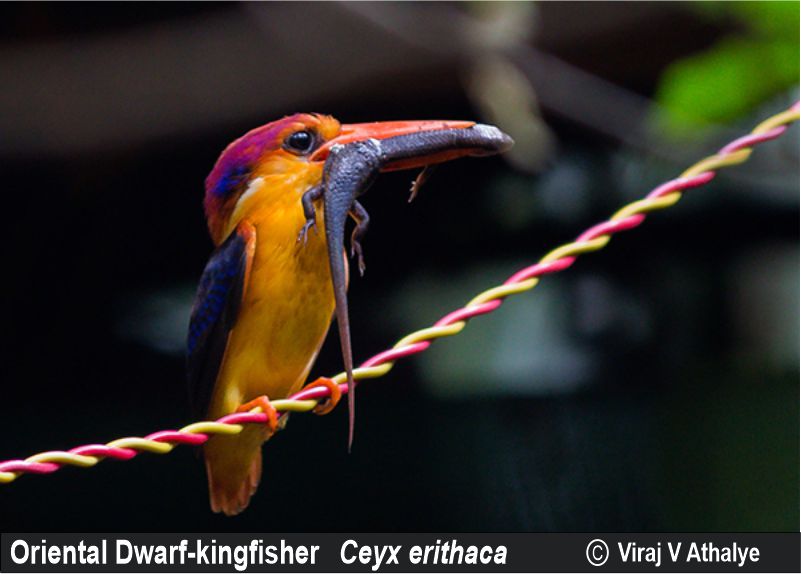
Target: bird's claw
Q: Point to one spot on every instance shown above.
(326, 406)
(262, 402)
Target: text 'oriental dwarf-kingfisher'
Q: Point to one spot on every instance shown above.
(271, 287)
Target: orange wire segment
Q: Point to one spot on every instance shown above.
(561, 258)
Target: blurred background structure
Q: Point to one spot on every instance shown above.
(653, 386)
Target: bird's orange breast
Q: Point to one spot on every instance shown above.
(288, 302)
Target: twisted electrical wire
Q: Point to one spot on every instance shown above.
(593, 239)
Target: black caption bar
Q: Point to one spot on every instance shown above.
(400, 552)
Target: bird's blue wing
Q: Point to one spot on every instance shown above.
(219, 297)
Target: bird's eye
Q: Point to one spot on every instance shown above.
(300, 142)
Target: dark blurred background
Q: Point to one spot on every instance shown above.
(653, 386)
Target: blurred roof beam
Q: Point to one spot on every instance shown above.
(76, 96)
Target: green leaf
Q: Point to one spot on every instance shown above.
(725, 82)
(778, 20)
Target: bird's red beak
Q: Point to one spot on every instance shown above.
(350, 133)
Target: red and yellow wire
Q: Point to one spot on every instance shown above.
(594, 239)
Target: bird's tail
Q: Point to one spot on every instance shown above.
(233, 465)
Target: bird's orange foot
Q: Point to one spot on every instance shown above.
(263, 402)
(325, 407)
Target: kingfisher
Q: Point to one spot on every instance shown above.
(279, 271)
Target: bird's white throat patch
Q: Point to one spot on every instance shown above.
(236, 214)
(253, 187)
